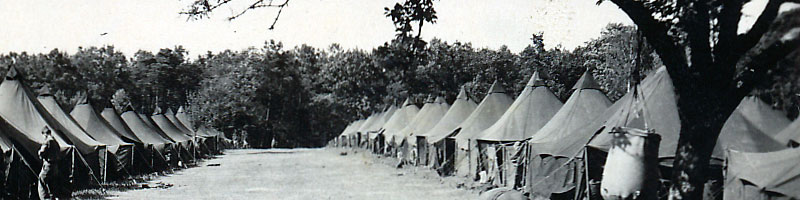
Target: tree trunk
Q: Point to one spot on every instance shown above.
(702, 115)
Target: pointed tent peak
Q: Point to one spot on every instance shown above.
(169, 112)
(462, 94)
(496, 88)
(535, 80)
(390, 107)
(45, 91)
(83, 99)
(12, 73)
(181, 110)
(408, 102)
(127, 108)
(586, 82)
(439, 100)
(430, 99)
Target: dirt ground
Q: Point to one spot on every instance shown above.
(300, 174)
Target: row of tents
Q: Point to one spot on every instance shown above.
(552, 150)
(95, 147)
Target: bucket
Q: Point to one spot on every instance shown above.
(631, 170)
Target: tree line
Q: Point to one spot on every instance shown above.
(304, 96)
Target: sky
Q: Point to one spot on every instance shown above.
(39, 26)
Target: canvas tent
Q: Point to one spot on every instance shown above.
(161, 146)
(160, 120)
(349, 133)
(744, 130)
(432, 111)
(461, 109)
(657, 102)
(772, 175)
(112, 117)
(177, 123)
(148, 151)
(398, 121)
(95, 153)
(374, 129)
(184, 118)
(94, 125)
(342, 138)
(653, 102)
(585, 104)
(532, 109)
(430, 114)
(183, 141)
(371, 122)
(25, 115)
(792, 131)
(361, 130)
(487, 113)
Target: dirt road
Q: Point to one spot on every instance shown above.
(298, 174)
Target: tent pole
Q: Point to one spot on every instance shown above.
(88, 167)
(105, 168)
(586, 172)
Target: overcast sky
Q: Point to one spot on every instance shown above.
(39, 25)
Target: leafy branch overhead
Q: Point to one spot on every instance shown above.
(404, 15)
(201, 9)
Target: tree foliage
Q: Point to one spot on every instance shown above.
(304, 96)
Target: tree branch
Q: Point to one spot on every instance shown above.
(757, 68)
(729, 16)
(695, 22)
(202, 8)
(760, 27)
(657, 35)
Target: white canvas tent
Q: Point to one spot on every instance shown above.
(461, 109)
(487, 113)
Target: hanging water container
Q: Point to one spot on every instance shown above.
(631, 170)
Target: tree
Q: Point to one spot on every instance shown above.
(120, 99)
(103, 71)
(614, 55)
(404, 15)
(706, 58)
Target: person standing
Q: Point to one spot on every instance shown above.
(48, 153)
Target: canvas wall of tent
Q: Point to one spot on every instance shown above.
(461, 109)
(432, 111)
(374, 137)
(770, 175)
(399, 120)
(791, 131)
(586, 103)
(532, 109)
(183, 141)
(561, 151)
(487, 113)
